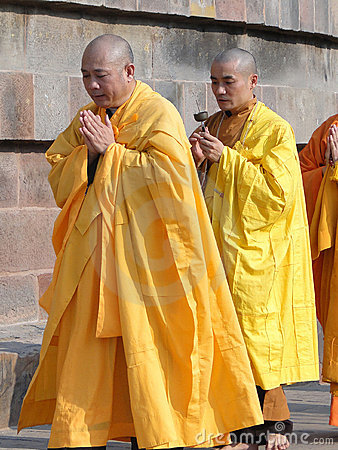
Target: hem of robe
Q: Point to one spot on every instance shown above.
(334, 411)
(289, 375)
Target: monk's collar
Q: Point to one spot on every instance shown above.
(247, 107)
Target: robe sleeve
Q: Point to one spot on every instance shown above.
(68, 158)
(312, 159)
(259, 193)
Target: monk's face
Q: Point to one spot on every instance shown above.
(107, 82)
(231, 88)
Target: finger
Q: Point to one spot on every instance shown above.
(208, 137)
(108, 122)
(90, 124)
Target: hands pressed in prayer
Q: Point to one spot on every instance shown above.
(195, 147)
(211, 147)
(331, 147)
(97, 135)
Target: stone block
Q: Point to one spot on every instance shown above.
(9, 173)
(231, 10)
(172, 91)
(322, 16)
(179, 7)
(212, 105)
(140, 39)
(269, 97)
(333, 17)
(16, 106)
(26, 237)
(307, 15)
(12, 40)
(44, 281)
(289, 15)
(54, 44)
(319, 71)
(19, 299)
(191, 60)
(33, 181)
(193, 93)
(203, 8)
(51, 106)
(272, 13)
(325, 106)
(19, 357)
(258, 92)
(279, 62)
(125, 5)
(154, 6)
(255, 11)
(78, 96)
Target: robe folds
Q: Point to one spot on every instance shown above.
(322, 206)
(139, 306)
(255, 199)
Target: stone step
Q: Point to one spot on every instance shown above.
(19, 357)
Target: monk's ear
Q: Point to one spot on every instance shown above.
(253, 79)
(130, 71)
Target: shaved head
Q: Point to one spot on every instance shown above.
(245, 62)
(115, 49)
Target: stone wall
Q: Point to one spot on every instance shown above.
(174, 41)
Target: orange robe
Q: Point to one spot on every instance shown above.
(322, 207)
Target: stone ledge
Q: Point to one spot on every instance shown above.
(19, 357)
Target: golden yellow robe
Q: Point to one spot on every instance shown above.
(256, 203)
(142, 337)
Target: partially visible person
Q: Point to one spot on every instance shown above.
(319, 164)
(249, 170)
(142, 341)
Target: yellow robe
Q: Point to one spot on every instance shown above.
(256, 203)
(142, 337)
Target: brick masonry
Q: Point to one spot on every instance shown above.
(174, 42)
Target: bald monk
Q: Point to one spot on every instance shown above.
(142, 341)
(319, 164)
(249, 169)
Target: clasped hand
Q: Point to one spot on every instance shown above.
(204, 145)
(97, 135)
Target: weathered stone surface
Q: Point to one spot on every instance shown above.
(258, 92)
(321, 16)
(44, 281)
(172, 91)
(193, 92)
(9, 179)
(16, 106)
(318, 68)
(192, 58)
(12, 38)
(269, 97)
(255, 11)
(289, 14)
(19, 357)
(212, 105)
(231, 10)
(180, 7)
(54, 44)
(307, 15)
(155, 6)
(272, 13)
(126, 5)
(204, 8)
(18, 299)
(51, 106)
(33, 181)
(25, 235)
(325, 106)
(78, 96)
(333, 17)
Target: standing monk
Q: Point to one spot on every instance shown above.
(142, 338)
(319, 164)
(249, 169)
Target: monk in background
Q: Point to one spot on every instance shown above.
(249, 169)
(319, 164)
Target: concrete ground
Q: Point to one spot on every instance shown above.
(309, 404)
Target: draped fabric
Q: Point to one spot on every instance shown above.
(142, 337)
(322, 205)
(256, 203)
